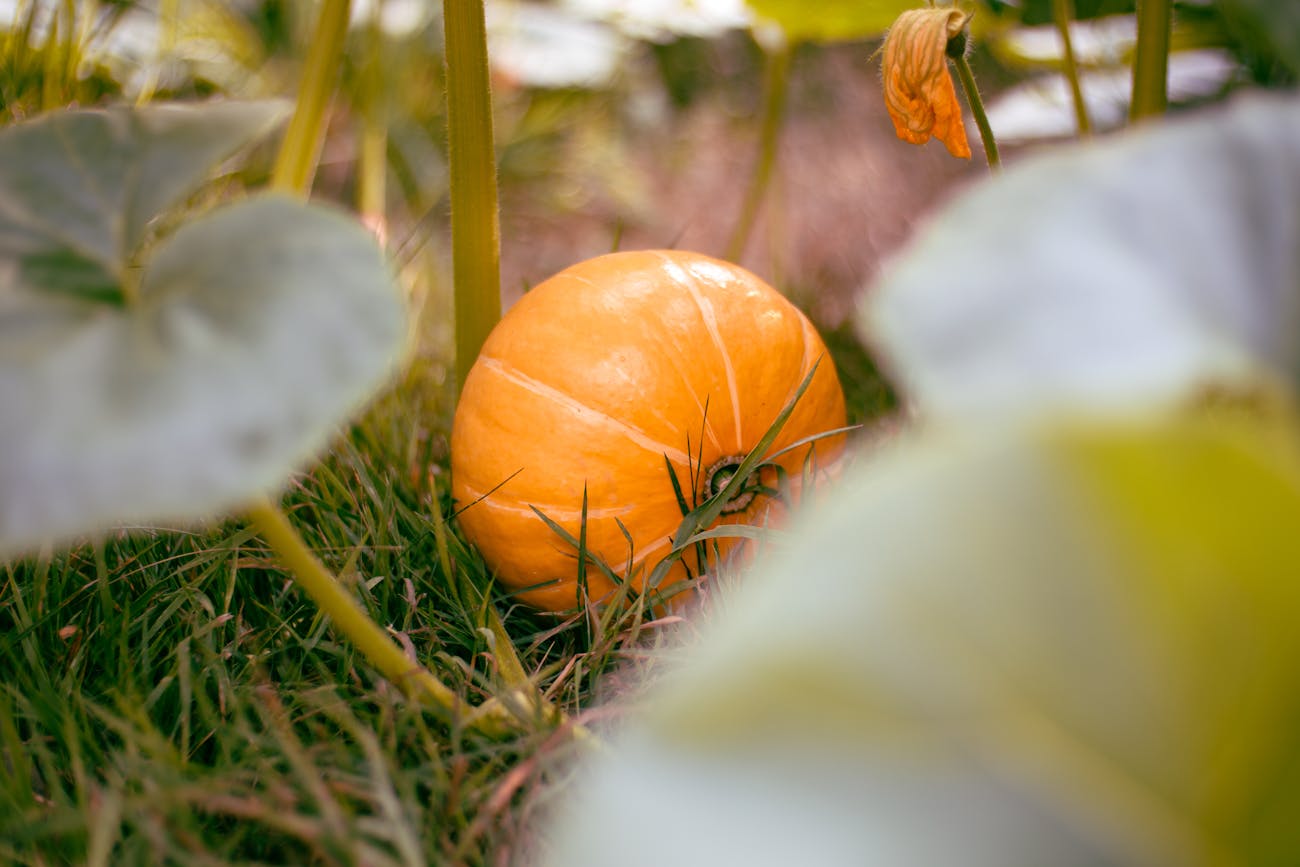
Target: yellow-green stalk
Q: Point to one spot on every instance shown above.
(475, 230)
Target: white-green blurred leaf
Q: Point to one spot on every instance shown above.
(1133, 270)
(260, 327)
(664, 20)
(1043, 108)
(552, 47)
(832, 20)
(83, 185)
(1064, 646)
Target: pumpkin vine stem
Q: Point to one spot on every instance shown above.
(353, 621)
(1063, 12)
(1151, 59)
(471, 155)
(295, 164)
(956, 51)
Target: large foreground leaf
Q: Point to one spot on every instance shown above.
(179, 387)
(1066, 646)
(78, 188)
(1138, 269)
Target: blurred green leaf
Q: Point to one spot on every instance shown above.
(248, 336)
(1068, 645)
(90, 181)
(1268, 29)
(1136, 270)
(1033, 12)
(832, 20)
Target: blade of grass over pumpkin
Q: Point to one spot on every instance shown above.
(583, 589)
(695, 463)
(475, 230)
(630, 569)
(684, 506)
(295, 164)
(349, 618)
(1151, 59)
(809, 440)
(493, 490)
(711, 508)
(737, 531)
(578, 545)
(776, 86)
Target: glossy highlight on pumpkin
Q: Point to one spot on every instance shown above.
(598, 375)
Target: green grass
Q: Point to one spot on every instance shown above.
(170, 697)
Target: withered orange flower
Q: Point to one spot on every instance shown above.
(919, 92)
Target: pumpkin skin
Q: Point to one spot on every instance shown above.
(596, 375)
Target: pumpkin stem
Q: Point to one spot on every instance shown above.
(719, 475)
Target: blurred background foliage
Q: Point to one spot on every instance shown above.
(634, 123)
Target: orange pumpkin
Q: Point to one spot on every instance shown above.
(600, 373)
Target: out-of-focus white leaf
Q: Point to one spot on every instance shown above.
(1133, 270)
(89, 182)
(398, 19)
(1105, 40)
(664, 20)
(1051, 645)
(1042, 107)
(544, 46)
(176, 379)
(260, 328)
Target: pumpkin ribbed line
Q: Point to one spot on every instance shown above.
(571, 403)
(689, 282)
(481, 499)
(688, 385)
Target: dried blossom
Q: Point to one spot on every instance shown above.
(919, 92)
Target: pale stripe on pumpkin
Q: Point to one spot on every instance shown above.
(687, 281)
(541, 389)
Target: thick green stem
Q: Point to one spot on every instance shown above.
(976, 107)
(1064, 13)
(349, 618)
(372, 176)
(475, 230)
(776, 87)
(372, 167)
(1151, 59)
(295, 165)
